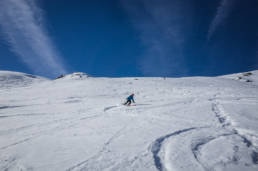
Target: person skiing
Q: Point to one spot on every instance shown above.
(129, 100)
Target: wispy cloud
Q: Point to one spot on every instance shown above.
(223, 11)
(22, 25)
(162, 26)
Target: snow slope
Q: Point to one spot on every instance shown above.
(15, 79)
(78, 123)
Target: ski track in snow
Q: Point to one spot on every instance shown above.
(6, 164)
(221, 118)
(226, 123)
(23, 115)
(16, 143)
(104, 149)
(196, 148)
(57, 125)
(156, 146)
(7, 107)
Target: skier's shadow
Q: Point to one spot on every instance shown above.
(141, 104)
(109, 107)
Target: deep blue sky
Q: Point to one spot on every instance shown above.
(129, 37)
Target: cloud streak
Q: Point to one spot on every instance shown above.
(223, 11)
(21, 22)
(162, 26)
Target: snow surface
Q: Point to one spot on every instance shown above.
(78, 123)
(9, 79)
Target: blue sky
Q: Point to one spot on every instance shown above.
(120, 38)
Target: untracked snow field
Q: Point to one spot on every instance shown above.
(79, 123)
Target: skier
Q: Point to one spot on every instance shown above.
(129, 100)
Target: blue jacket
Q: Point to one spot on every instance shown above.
(130, 98)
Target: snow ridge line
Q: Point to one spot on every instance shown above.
(156, 146)
(227, 124)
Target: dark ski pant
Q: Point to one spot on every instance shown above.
(128, 102)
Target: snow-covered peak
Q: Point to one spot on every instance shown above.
(74, 76)
(14, 79)
(250, 76)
